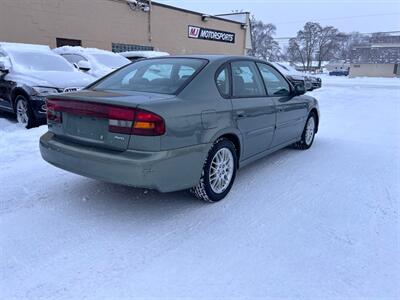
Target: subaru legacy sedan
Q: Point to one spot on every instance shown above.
(177, 123)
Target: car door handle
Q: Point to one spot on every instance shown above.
(241, 114)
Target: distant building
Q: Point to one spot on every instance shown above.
(379, 58)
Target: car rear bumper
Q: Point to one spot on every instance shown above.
(165, 171)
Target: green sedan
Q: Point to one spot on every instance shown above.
(178, 122)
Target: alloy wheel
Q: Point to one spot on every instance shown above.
(310, 131)
(22, 112)
(221, 170)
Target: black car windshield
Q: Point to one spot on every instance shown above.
(164, 75)
(40, 61)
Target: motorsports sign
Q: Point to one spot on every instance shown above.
(201, 33)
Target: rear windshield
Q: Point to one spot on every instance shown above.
(164, 76)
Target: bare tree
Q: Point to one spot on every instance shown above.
(328, 43)
(264, 45)
(295, 53)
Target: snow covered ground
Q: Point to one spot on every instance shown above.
(317, 224)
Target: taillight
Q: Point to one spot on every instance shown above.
(148, 123)
(121, 119)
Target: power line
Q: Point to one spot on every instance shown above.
(339, 18)
(362, 33)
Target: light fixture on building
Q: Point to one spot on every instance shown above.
(142, 5)
(205, 18)
(244, 26)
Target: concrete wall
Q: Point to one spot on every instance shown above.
(372, 70)
(99, 23)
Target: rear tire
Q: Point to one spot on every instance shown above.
(308, 135)
(219, 172)
(24, 113)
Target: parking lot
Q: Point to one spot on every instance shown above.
(311, 224)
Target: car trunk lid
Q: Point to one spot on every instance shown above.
(97, 118)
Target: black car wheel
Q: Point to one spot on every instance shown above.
(24, 112)
(307, 137)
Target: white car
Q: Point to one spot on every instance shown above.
(95, 62)
(135, 55)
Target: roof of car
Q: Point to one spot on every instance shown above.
(215, 57)
(78, 49)
(23, 47)
(147, 54)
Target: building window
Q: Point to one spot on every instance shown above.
(68, 42)
(118, 47)
(357, 66)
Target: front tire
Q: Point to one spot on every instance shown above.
(308, 135)
(24, 113)
(218, 173)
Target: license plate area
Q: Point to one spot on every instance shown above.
(90, 128)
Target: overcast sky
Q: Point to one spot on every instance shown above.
(289, 15)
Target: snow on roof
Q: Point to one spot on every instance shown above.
(24, 47)
(78, 49)
(146, 54)
(238, 17)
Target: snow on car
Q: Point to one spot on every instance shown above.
(135, 55)
(93, 61)
(320, 224)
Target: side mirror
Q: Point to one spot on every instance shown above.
(84, 66)
(4, 68)
(299, 88)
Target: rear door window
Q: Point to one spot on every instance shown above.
(247, 81)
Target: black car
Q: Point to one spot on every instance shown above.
(29, 73)
(316, 82)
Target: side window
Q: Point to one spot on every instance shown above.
(223, 82)
(246, 80)
(274, 81)
(73, 58)
(185, 72)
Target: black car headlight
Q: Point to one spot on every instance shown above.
(41, 91)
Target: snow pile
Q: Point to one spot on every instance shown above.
(80, 50)
(358, 82)
(316, 224)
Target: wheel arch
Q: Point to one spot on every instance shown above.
(235, 138)
(18, 91)
(315, 112)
